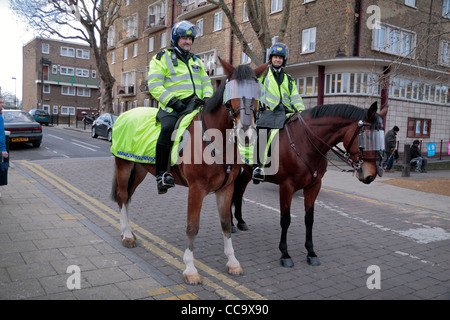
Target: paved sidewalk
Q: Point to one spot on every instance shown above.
(41, 237)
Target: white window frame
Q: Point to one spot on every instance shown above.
(68, 91)
(394, 40)
(83, 92)
(218, 18)
(199, 28)
(82, 72)
(163, 40)
(135, 50)
(410, 3)
(45, 48)
(151, 44)
(446, 9)
(309, 40)
(244, 12)
(46, 88)
(83, 54)
(245, 59)
(113, 57)
(67, 52)
(66, 110)
(444, 53)
(66, 71)
(125, 53)
(94, 74)
(276, 6)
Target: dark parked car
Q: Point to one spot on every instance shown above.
(23, 128)
(40, 116)
(103, 125)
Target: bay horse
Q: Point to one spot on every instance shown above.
(303, 144)
(202, 178)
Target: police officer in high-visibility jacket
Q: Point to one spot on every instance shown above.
(178, 80)
(282, 97)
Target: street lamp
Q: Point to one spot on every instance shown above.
(15, 91)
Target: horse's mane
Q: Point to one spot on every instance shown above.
(241, 73)
(337, 110)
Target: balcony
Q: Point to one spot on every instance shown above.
(195, 8)
(65, 80)
(126, 91)
(128, 35)
(154, 23)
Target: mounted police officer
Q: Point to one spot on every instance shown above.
(282, 96)
(178, 80)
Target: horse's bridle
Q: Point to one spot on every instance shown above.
(341, 154)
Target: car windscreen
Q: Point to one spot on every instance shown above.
(14, 116)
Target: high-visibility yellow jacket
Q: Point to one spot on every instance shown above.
(168, 79)
(286, 93)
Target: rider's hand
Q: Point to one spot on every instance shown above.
(176, 105)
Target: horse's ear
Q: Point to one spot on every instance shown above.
(260, 70)
(228, 68)
(384, 111)
(372, 111)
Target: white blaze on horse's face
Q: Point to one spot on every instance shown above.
(243, 96)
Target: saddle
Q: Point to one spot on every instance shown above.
(136, 132)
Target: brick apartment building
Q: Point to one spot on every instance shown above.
(395, 52)
(59, 77)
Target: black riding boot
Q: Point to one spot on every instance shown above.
(258, 174)
(164, 178)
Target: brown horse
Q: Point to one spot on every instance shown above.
(303, 144)
(203, 176)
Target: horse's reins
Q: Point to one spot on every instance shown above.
(344, 156)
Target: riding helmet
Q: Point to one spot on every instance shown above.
(182, 29)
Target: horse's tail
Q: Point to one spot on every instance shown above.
(113, 194)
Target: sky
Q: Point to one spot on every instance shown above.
(13, 36)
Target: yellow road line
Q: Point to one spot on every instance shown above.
(88, 201)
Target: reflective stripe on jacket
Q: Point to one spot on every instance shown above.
(285, 93)
(167, 81)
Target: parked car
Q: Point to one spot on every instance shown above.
(40, 116)
(22, 126)
(102, 126)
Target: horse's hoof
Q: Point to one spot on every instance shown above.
(286, 262)
(313, 261)
(235, 270)
(192, 279)
(242, 226)
(129, 243)
(233, 229)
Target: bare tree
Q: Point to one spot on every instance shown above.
(257, 15)
(85, 20)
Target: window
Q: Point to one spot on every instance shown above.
(83, 54)
(446, 9)
(163, 40)
(308, 86)
(151, 44)
(67, 52)
(45, 48)
(82, 73)
(67, 71)
(135, 50)
(244, 12)
(352, 83)
(218, 21)
(276, 5)
(46, 88)
(199, 28)
(84, 92)
(393, 40)
(411, 3)
(94, 74)
(55, 109)
(444, 53)
(418, 128)
(309, 40)
(245, 58)
(113, 58)
(67, 91)
(125, 53)
(112, 36)
(209, 61)
(423, 92)
(54, 69)
(67, 110)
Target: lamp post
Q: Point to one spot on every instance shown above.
(15, 91)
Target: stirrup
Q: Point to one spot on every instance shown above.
(258, 175)
(164, 182)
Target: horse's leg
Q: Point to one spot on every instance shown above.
(223, 199)
(240, 184)
(128, 177)
(195, 200)
(310, 195)
(286, 193)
